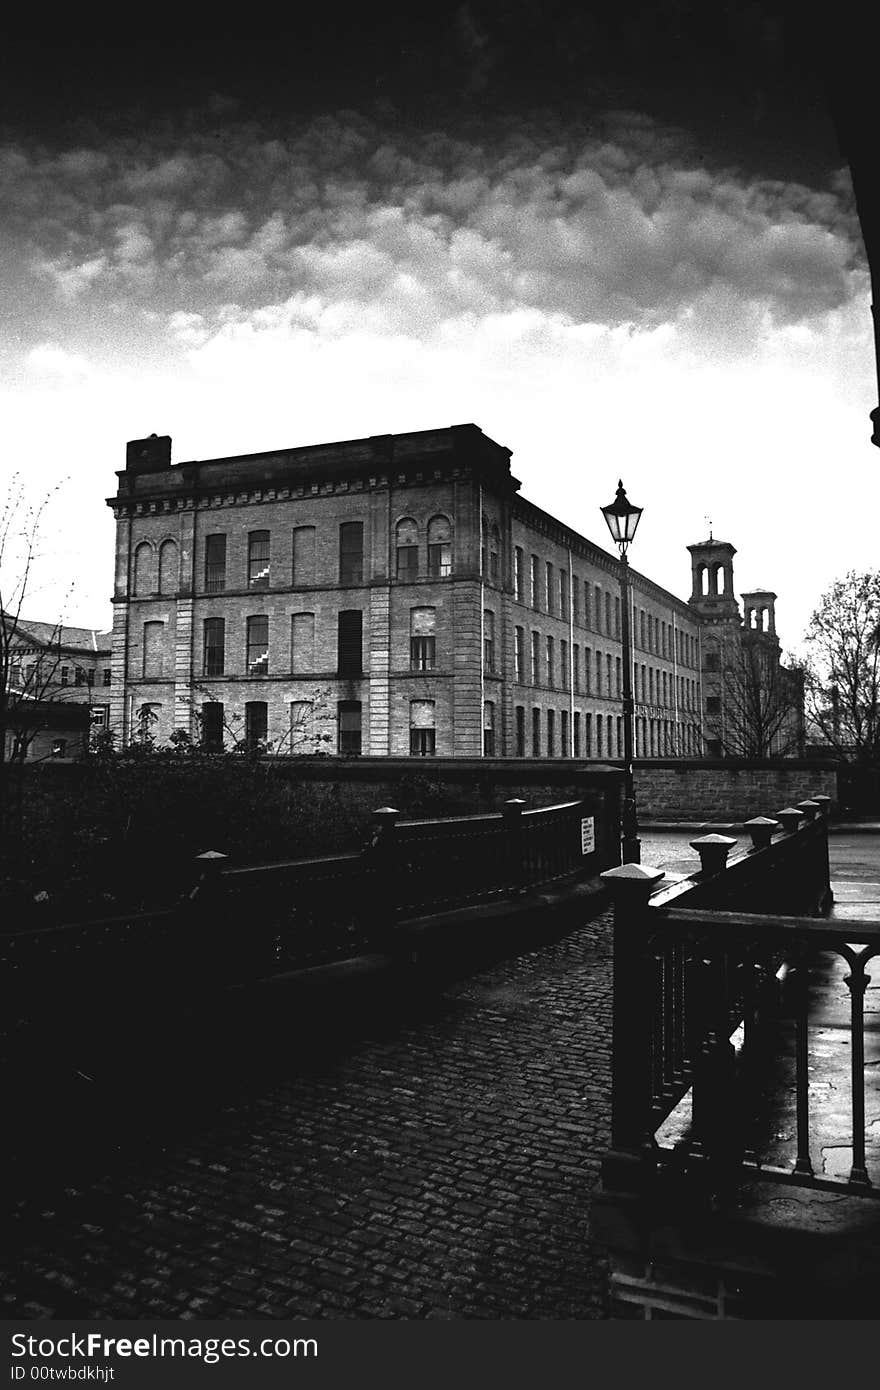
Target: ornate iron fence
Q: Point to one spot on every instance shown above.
(714, 1001)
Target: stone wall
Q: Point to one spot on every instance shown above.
(729, 788)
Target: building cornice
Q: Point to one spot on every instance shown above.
(549, 526)
(379, 462)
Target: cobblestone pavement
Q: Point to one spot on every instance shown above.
(439, 1165)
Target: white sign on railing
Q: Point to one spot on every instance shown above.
(588, 835)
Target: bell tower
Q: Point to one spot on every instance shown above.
(759, 615)
(712, 580)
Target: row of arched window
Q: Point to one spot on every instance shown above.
(156, 568)
(438, 557)
(711, 580)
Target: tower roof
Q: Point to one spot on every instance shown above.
(713, 544)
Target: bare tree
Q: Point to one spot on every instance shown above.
(843, 669)
(308, 731)
(30, 654)
(763, 702)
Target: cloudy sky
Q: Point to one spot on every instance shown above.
(620, 241)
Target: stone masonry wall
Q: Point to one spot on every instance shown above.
(729, 789)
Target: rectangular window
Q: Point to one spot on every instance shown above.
(598, 735)
(422, 731)
(588, 671)
(351, 552)
(349, 645)
(597, 608)
(618, 676)
(489, 640)
(258, 560)
(256, 724)
(599, 675)
(152, 653)
(536, 733)
(212, 726)
(609, 628)
(519, 719)
(439, 547)
(519, 655)
(576, 665)
(79, 674)
(575, 599)
(65, 672)
(577, 733)
(713, 704)
(407, 563)
(588, 736)
(563, 593)
(302, 643)
(563, 733)
(215, 563)
(551, 733)
(548, 588)
(536, 658)
(214, 646)
(518, 576)
(302, 727)
(422, 653)
(348, 719)
(489, 729)
(620, 738)
(617, 616)
(587, 606)
(608, 668)
(422, 639)
(304, 570)
(108, 675)
(440, 560)
(563, 664)
(90, 677)
(549, 662)
(257, 655)
(534, 595)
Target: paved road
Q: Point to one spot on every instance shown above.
(439, 1165)
(854, 857)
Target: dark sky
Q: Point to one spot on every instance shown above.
(744, 77)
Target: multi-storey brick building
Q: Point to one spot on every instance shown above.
(388, 595)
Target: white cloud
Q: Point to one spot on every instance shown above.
(55, 364)
(71, 278)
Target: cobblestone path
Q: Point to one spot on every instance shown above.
(440, 1166)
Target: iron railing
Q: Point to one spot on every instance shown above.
(717, 1002)
(243, 924)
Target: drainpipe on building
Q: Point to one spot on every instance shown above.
(678, 730)
(570, 656)
(482, 719)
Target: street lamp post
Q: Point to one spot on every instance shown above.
(623, 518)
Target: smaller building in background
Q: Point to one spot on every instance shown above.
(51, 669)
(39, 730)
